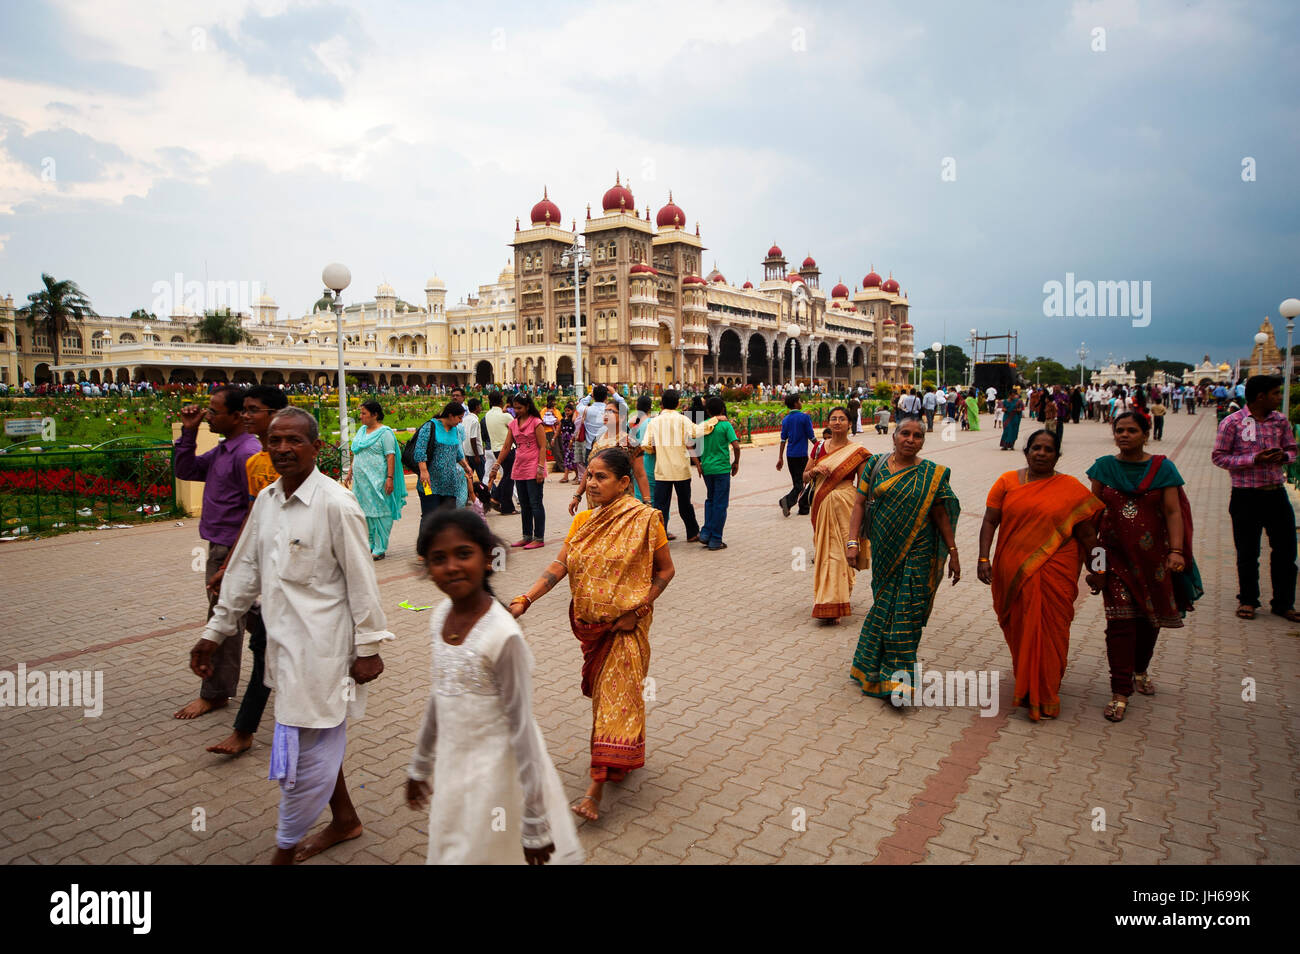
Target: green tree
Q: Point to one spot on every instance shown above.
(141, 315)
(57, 308)
(1052, 372)
(221, 327)
(954, 361)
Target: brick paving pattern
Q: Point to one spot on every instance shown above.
(760, 748)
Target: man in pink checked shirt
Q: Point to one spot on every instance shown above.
(1254, 445)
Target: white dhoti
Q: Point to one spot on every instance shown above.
(320, 757)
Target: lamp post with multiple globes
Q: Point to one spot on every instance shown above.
(336, 278)
(1288, 310)
(578, 256)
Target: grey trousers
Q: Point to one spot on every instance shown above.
(224, 681)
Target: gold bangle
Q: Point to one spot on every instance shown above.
(522, 598)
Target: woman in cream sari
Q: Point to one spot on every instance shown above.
(616, 558)
(836, 475)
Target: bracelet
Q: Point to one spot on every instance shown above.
(982, 560)
(522, 598)
(1172, 550)
(642, 611)
(852, 543)
(578, 495)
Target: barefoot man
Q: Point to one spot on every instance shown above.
(306, 552)
(260, 403)
(224, 473)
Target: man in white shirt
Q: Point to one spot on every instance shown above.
(671, 437)
(305, 551)
(591, 411)
(471, 438)
(991, 398)
(928, 404)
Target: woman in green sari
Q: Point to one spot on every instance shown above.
(376, 476)
(1011, 408)
(972, 412)
(913, 521)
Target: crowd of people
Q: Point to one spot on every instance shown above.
(287, 564)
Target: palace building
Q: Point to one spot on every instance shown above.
(649, 316)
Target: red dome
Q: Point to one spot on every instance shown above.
(719, 280)
(747, 284)
(792, 278)
(890, 321)
(775, 252)
(618, 198)
(840, 291)
(809, 262)
(671, 215)
(872, 280)
(545, 212)
(906, 325)
(890, 286)
(641, 268)
(693, 280)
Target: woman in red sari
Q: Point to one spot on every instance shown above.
(1150, 578)
(1043, 522)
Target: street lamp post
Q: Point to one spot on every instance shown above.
(1260, 339)
(970, 363)
(579, 257)
(681, 362)
(336, 278)
(1288, 310)
(937, 348)
(1083, 353)
(792, 333)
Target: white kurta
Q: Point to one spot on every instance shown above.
(309, 559)
(495, 789)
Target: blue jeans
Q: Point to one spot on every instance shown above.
(531, 510)
(715, 508)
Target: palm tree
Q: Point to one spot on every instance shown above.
(56, 309)
(221, 327)
(141, 315)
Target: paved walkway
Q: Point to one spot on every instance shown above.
(760, 748)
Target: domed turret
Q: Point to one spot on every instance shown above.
(545, 212)
(618, 198)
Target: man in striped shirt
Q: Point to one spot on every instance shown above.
(1254, 445)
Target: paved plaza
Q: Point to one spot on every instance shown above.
(759, 747)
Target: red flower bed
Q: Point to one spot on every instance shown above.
(64, 480)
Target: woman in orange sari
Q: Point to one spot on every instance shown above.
(1044, 525)
(616, 558)
(836, 475)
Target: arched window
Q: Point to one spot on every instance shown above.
(125, 338)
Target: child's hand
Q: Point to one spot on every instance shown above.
(417, 794)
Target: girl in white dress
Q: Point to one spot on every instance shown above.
(494, 786)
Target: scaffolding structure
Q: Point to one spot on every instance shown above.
(985, 354)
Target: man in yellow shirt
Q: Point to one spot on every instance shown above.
(260, 405)
(671, 437)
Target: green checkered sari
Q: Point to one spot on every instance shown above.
(907, 558)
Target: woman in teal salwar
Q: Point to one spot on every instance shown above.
(914, 519)
(1011, 408)
(376, 477)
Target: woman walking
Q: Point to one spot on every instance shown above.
(567, 424)
(913, 519)
(637, 425)
(445, 477)
(1044, 527)
(972, 411)
(376, 478)
(616, 557)
(836, 474)
(495, 788)
(527, 436)
(1150, 579)
(613, 436)
(1011, 408)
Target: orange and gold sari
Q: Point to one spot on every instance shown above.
(611, 561)
(1036, 580)
(833, 577)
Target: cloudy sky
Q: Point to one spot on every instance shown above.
(975, 150)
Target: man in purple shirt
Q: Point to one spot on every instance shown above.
(1255, 445)
(223, 471)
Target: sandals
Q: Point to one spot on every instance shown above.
(1144, 684)
(1291, 615)
(1114, 711)
(1246, 611)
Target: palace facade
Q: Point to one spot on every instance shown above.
(648, 317)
